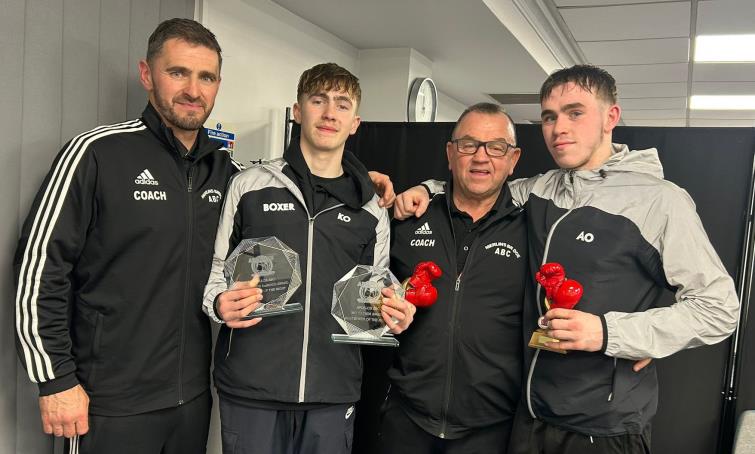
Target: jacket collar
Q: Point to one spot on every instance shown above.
(202, 145)
(363, 189)
(503, 206)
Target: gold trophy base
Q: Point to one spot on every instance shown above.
(539, 338)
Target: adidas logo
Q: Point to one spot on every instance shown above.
(424, 229)
(146, 178)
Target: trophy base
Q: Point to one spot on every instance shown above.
(382, 341)
(290, 308)
(539, 339)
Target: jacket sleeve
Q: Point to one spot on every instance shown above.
(226, 239)
(434, 187)
(381, 257)
(51, 241)
(706, 310)
(520, 188)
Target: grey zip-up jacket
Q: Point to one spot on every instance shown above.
(291, 358)
(626, 234)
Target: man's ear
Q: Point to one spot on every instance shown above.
(297, 113)
(145, 75)
(355, 125)
(613, 115)
(515, 154)
(449, 152)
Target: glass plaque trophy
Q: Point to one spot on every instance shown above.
(278, 268)
(356, 306)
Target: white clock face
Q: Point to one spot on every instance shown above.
(425, 102)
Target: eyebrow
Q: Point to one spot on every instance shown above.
(497, 139)
(208, 74)
(335, 98)
(574, 105)
(177, 68)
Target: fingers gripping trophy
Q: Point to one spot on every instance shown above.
(358, 298)
(277, 266)
(560, 292)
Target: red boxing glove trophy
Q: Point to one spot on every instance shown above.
(419, 287)
(559, 293)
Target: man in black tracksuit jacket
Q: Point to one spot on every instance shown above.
(112, 259)
(284, 386)
(456, 379)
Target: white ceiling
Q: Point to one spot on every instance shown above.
(483, 47)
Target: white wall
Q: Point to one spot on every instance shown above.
(384, 78)
(449, 109)
(265, 50)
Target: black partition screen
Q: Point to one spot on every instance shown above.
(715, 165)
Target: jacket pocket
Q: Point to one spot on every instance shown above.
(613, 380)
(229, 441)
(86, 336)
(96, 347)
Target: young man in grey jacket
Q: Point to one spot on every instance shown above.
(608, 216)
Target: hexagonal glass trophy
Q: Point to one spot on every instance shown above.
(278, 268)
(356, 306)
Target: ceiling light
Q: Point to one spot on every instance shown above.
(711, 102)
(725, 48)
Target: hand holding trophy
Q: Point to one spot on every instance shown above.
(560, 292)
(358, 300)
(277, 266)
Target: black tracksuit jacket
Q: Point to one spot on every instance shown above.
(459, 365)
(291, 359)
(111, 265)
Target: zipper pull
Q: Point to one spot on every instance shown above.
(458, 281)
(191, 178)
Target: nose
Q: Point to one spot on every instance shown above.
(192, 88)
(329, 111)
(559, 125)
(481, 154)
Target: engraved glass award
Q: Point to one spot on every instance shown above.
(356, 306)
(278, 268)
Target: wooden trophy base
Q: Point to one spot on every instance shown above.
(539, 338)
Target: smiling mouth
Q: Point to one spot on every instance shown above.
(479, 172)
(191, 106)
(326, 129)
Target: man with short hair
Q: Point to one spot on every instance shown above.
(608, 216)
(113, 242)
(284, 386)
(112, 261)
(456, 379)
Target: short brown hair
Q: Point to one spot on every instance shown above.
(326, 77)
(587, 77)
(184, 29)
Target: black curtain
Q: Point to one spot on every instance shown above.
(714, 165)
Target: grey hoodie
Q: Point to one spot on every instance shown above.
(626, 234)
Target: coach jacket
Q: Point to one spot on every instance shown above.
(111, 264)
(459, 366)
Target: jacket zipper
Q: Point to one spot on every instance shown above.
(449, 375)
(540, 313)
(190, 226)
(613, 380)
(307, 298)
